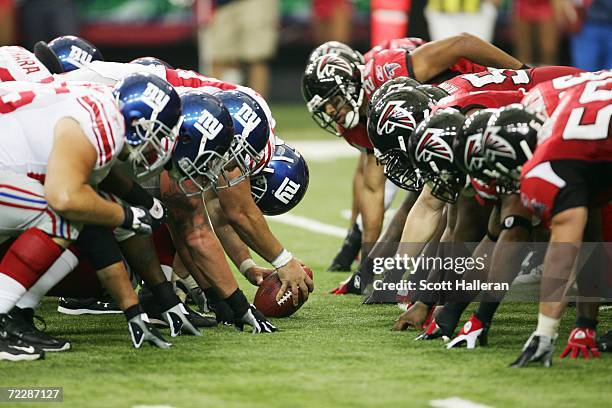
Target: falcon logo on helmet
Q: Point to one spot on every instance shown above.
(395, 116)
(390, 68)
(495, 145)
(432, 145)
(473, 152)
(329, 64)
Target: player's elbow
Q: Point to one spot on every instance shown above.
(60, 200)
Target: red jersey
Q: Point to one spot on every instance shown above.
(544, 97)
(505, 79)
(579, 128)
(388, 64)
(409, 44)
(357, 136)
(479, 100)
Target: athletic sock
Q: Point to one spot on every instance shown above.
(58, 271)
(449, 317)
(164, 295)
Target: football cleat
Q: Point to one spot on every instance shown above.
(15, 349)
(179, 321)
(142, 330)
(604, 343)
(20, 324)
(537, 349)
(581, 343)
(93, 306)
(348, 252)
(471, 331)
(433, 332)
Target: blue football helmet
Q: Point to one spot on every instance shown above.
(252, 131)
(204, 138)
(152, 110)
(282, 183)
(151, 61)
(70, 51)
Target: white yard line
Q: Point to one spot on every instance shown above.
(152, 406)
(324, 150)
(309, 225)
(456, 402)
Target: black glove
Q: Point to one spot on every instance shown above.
(256, 320)
(141, 330)
(137, 219)
(159, 213)
(223, 312)
(178, 320)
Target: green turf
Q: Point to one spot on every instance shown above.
(333, 352)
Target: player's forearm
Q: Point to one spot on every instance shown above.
(481, 52)
(252, 228)
(423, 218)
(234, 247)
(83, 204)
(372, 213)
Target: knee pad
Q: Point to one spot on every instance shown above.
(98, 245)
(32, 253)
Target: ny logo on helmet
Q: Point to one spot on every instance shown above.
(248, 118)
(395, 116)
(328, 65)
(79, 57)
(286, 191)
(155, 98)
(208, 125)
(473, 153)
(432, 145)
(494, 145)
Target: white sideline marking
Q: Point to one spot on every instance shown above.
(324, 150)
(456, 402)
(309, 224)
(152, 406)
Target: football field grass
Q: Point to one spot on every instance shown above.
(332, 352)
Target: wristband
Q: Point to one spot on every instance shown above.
(282, 259)
(246, 265)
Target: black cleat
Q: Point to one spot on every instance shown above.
(537, 349)
(20, 324)
(348, 252)
(604, 343)
(14, 349)
(84, 306)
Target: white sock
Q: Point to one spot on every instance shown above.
(58, 271)
(547, 326)
(10, 292)
(167, 270)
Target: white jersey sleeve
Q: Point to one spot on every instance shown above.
(19, 64)
(30, 115)
(109, 73)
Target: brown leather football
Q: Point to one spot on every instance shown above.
(265, 298)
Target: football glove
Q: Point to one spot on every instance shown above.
(472, 330)
(256, 320)
(137, 219)
(581, 342)
(159, 213)
(536, 349)
(141, 330)
(179, 321)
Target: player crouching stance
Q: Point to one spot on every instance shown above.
(49, 168)
(560, 183)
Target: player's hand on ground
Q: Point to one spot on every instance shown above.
(581, 343)
(178, 321)
(413, 317)
(294, 278)
(141, 330)
(256, 320)
(256, 274)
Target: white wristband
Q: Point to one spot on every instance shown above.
(282, 259)
(246, 265)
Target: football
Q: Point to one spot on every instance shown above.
(265, 298)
